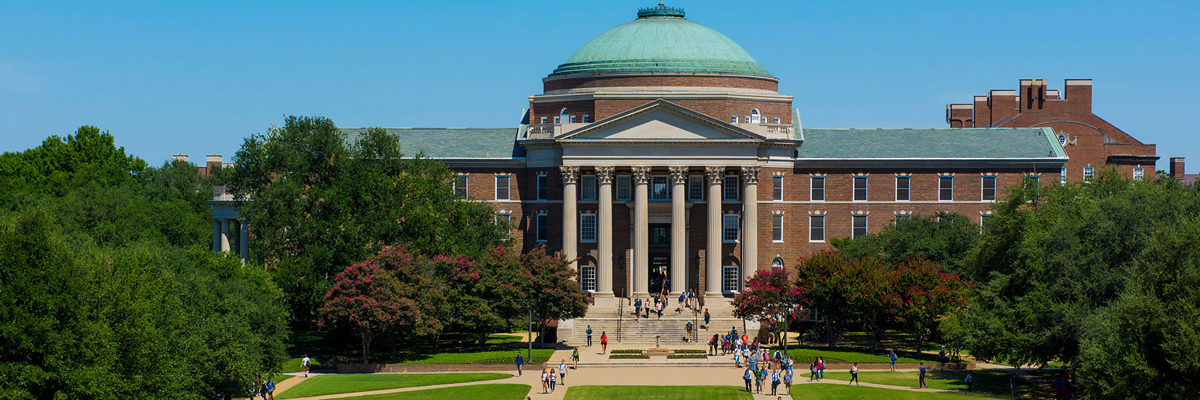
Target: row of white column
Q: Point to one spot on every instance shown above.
(641, 257)
(222, 240)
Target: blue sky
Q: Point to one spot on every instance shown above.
(171, 77)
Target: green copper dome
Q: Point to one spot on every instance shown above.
(661, 40)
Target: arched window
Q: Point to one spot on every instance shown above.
(755, 116)
(777, 263)
(564, 115)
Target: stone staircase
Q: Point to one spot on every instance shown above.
(624, 329)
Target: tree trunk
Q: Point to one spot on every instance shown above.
(920, 334)
(829, 331)
(366, 347)
(874, 333)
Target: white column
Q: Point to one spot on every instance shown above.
(604, 245)
(570, 242)
(712, 253)
(216, 242)
(749, 221)
(678, 230)
(641, 231)
(225, 235)
(243, 240)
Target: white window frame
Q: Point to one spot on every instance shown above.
(542, 183)
(1139, 173)
(507, 186)
(538, 220)
(726, 188)
(665, 195)
(776, 228)
(897, 217)
(776, 120)
(983, 187)
(1062, 175)
(907, 187)
(624, 184)
(866, 187)
(734, 119)
(695, 188)
(587, 228)
(731, 278)
(571, 118)
(506, 217)
(587, 188)
(812, 227)
(730, 226)
(755, 116)
(812, 188)
(983, 217)
(556, 119)
(940, 178)
(1089, 173)
(587, 278)
(854, 218)
(777, 188)
(466, 187)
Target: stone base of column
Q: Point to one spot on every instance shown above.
(604, 300)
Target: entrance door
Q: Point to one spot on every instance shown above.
(660, 258)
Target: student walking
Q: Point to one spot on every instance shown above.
(758, 378)
(774, 382)
(707, 319)
(921, 377)
(689, 332)
(575, 357)
(787, 381)
(968, 380)
(562, 372)
(306, 362)
(854, 374)
(545, 382)
(821, 367)
(553, 380)
(746, 377)
(603, 342)
(520, 362)
(589, 335)
(892, 358)
(682, 303)
(712, 345)
(269, 390)
(637, 310)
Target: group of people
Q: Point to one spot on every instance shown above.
(551, 377)
(658, 303)
(264, 388)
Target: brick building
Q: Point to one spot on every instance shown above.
(661, 157)
(1089, 140)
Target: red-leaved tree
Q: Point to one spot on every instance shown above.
(769, 297)
(927, 293)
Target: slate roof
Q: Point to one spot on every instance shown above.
(453, 142)
(950, 143)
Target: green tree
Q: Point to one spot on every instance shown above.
(946, 240)
(1146, 343)
(824, 283)
(320, 203)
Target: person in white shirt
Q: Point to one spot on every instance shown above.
(854, 374)
(562, 372)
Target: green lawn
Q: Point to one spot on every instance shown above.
(349, 383)
(657, 393)
(986, 382)
(472, 357)
(805, 355)
(823, 391)
(500, 348)
(293, 365)
(493, 391)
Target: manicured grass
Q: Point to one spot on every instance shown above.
(657, 393)
(349, 383)
(805, 355)
(821, 391)
(986, 382)
(472, 357)
(293, 365)
(493, 391)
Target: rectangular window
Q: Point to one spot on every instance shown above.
(729, 228)
(503, 218)
(587, 278)
(860, 188)
(1037, 180)
(543, 190)
(816, 228)
(1139, 174)
(587, 188)
(587, 227)
(733, 119)
(542, 227)
(623, 188)
(1062, 175)
(1088, 174)
(696, 188)
(860, 226)
(502, 187)
(659, 189)
(945, 188)
(985, 220)
(731, 188)
(777, 228)
(776, 120)
(585, 118)
(989, 188)
(818, 189)
(460, 186)
(730, 277)
(777, 190)
(902, 188)
(572, 119)
(543, 120)
(556, 119)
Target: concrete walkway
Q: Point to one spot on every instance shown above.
(623, 376)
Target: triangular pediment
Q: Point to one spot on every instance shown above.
(660, 121)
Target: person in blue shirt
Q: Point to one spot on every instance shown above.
(921, 377)
(269, 390)
(746, 377)
(520, 362)
(893, 359)
(589, 335)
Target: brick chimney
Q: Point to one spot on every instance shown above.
(1003, 104)
(1177, 167)
(212, 161)
(1079, 94)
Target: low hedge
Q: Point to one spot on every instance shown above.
(626, 351)
(691, 351)
(628, 356)
(688, 355)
